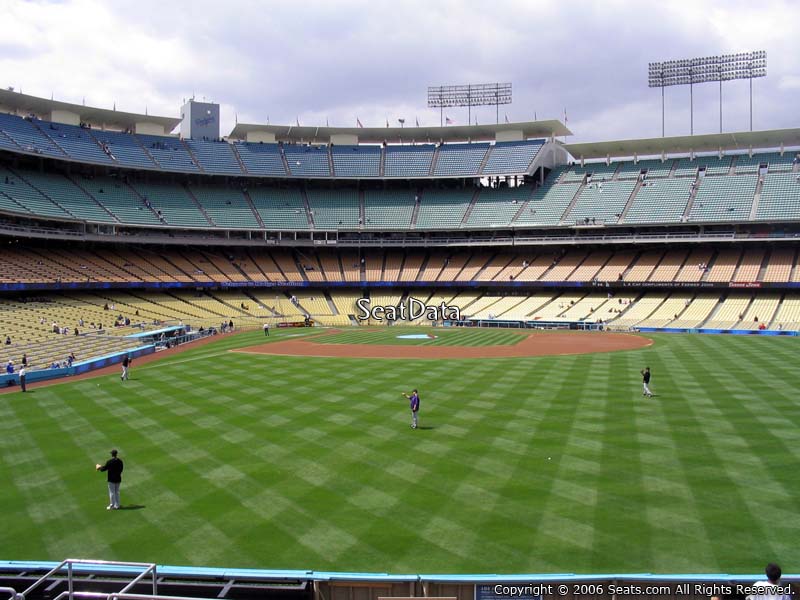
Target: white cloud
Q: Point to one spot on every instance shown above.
(373, 60)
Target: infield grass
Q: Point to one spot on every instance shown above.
(547, 464)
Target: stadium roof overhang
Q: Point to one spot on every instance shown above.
(716, 142)
(399, 135)
(42, 107)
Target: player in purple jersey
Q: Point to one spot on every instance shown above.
(414, 406)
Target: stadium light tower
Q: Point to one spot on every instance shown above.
(724, 67)
(473, 94)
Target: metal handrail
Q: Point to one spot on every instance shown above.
(12, 593)
(70, 562)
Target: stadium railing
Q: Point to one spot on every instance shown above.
(101, 580)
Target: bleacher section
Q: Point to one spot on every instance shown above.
(356, 161)
(261, 159)
(773, 160)
(334, 209)
(226, 206)
(169, 153)
(408, 161)
(697, 311)
(547, 204)
(601, 202)
(215, 157)
(650, 168)
(663, 201)
(659, 201)
(443, 209)
(119, 199)
(390, 209)
(31, 321)
(780, 198)
(279, 208)
(173, 204)
(26, 137)
(125, 149)
(511, 157)
(69, 196)
(307, 161)
(692, 265)
(724, 198)
(77, 142)
(598, 172)
(498, 206)
(713, 166)
(17, 196)
(460, 159)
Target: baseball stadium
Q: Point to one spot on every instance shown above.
(280, 291)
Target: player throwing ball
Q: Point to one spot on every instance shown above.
(646, 382)
(414, 405)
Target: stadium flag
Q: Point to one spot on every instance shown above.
(506, 118)
(387, 122)
(416, 119)
(358, 122)
(448, 121)
(565, 116)
(298, 121)
(326, 122)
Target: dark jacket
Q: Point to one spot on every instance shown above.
(114, 467)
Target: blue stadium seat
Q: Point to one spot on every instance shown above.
(460, 159)
(261, 159)
(409, 161)
(356, 161)
(511, 158)
(308, 161)
(215, 157)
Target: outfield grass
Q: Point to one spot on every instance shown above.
(550, 464)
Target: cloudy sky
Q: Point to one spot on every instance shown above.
(338, 60)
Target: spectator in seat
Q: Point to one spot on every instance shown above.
(772, 587)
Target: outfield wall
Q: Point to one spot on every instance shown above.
(77, 368)
(717, 331)
(203, 582)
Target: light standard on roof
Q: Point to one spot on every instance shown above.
(473, 94)
(724, 67)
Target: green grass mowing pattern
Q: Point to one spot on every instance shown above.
(264, 461)
(444, 337)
